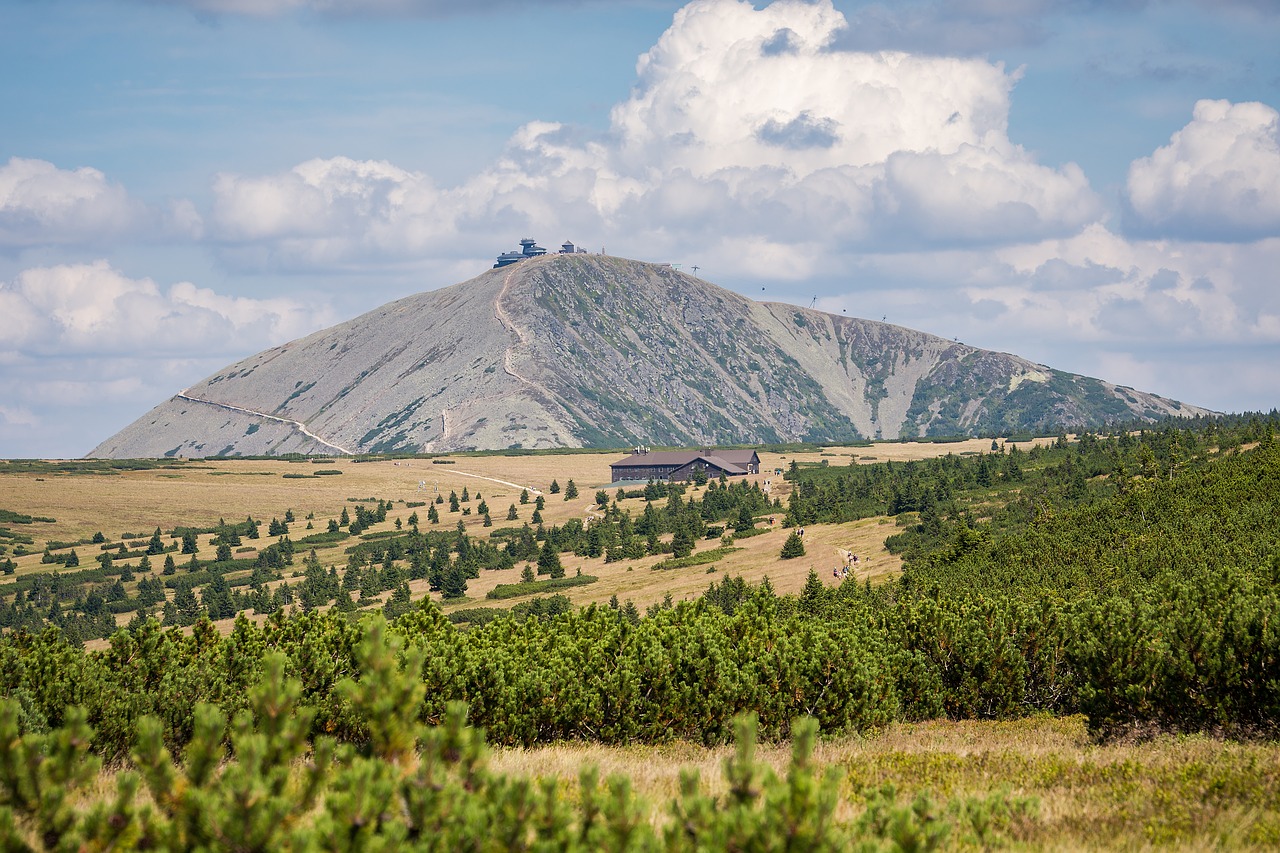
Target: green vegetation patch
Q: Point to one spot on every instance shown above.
(513, 590)
(11, 517)
(700, 558)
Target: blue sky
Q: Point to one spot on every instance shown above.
(1092, 185)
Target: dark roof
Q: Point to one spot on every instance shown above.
(738, 457)
(681, 458)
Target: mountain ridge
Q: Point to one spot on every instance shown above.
(594, 350)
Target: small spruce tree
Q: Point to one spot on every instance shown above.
(549, 561)
(793, 547)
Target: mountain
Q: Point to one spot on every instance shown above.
(590, 350)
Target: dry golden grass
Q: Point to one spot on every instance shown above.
(1181, 793)
(200, 492)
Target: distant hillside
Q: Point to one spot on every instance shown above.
(590, 350)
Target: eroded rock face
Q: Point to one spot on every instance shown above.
(590, 350)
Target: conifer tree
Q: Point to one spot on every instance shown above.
(682, 542)
(570, 491)
(549, 561)
(813, 595)
(217, 599)
(793, 547)
(512, 514)
(455, 581)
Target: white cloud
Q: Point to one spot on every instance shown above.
(1217, 179)
(41, 204)
(330, 211)
(92, 309)
(1099, 286)
(739, 115)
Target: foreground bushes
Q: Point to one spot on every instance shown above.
(1189, 653)
(265, 787)
(684, 673)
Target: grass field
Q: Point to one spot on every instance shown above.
(198, 493)
(1183, 793)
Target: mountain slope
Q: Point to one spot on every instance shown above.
(591, 350)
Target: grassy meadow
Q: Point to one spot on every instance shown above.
(201, 492)
(1064, 790)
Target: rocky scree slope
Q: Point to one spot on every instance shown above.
(592, 350)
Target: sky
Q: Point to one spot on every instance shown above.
(1092, 185)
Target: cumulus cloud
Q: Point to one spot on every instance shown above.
(1217, 179)
(93, 309)
(329, 211)
(41, 204)
(740, 117)
(1099, 286)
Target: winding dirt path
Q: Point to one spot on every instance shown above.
(508, 357)
(508, 365)
(298, 425)
(531, 489)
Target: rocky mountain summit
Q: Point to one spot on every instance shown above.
(575, 350)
